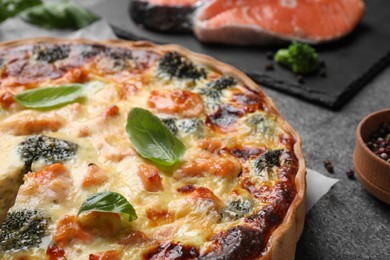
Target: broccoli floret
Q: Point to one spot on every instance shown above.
(213, 89)
(212, 92)
(22, 229)
(51, 54)
(224, 116)
(175, 65)
(171, 124)
(190, 126)
(89, 51)
(266, 161)
(222, 83)
(120, 57)
(119, 53)
(261, 125)
(48, 148)
(183, 126)
(300, 57)
(237, 209)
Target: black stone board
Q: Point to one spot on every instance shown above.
(350, 62)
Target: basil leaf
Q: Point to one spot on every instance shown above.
(152, 139)
(108, 201)
(50, 97)
(61, 15)
(10, 8)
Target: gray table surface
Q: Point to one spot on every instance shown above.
(348, 222)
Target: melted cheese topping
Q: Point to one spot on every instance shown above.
(213, 174)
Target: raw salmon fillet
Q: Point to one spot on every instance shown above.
(246, 22)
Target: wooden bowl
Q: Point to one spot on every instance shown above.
(373, 172)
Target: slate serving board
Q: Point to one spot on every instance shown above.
(350, 62)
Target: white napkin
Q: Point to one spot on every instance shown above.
(317, 185)
(13, 29)
(16, 28)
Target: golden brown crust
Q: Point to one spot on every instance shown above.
(282, 243)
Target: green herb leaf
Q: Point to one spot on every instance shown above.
(152, 139)
(108, 201)
(10, 8)
(61, 15)
(50, 97)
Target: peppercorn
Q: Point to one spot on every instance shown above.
(327, 162)
(380, 142)
(269, 66)
(381, 150)
(300, 79)
(328, 166)
(323, 73)
(269, 55)
(384, 156)
(350, 174)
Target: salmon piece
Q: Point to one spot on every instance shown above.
(127, 89)
(199, 201)
(100, 224)
(95, 176)
(205, 195)
(206, 163)
(53, 182)
(150, 178)
(48, 173)
(54, 252)
(113, 148)
(6, 99)
(247, 22)
(31, 123)
(111, 111)
(83, 131)
(210, 145)
(76, 75)
(68, 230)
(181, 102)
(107, 255)
(133, 238)
(158, 218)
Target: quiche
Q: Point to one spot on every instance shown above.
(129, 150)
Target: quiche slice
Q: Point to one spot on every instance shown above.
(128, 150)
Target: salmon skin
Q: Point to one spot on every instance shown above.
(173, 16)
(262, 22)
